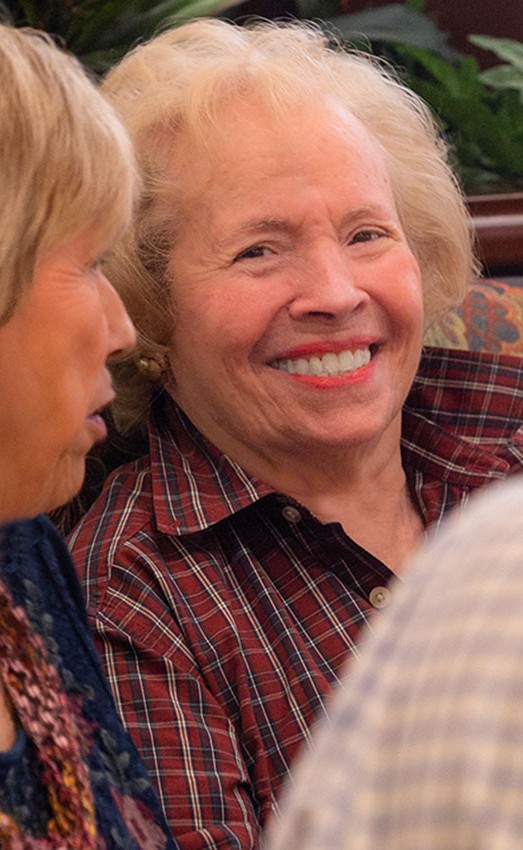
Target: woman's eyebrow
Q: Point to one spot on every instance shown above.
(255, 227)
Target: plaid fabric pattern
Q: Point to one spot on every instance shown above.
(424, 748)
(224, 611)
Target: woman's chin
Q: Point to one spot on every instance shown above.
(66, 485)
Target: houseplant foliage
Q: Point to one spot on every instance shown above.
(481, 112)
(509, 75)
(482, 119)
(99, 32)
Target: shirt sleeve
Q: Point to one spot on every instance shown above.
(189, 742)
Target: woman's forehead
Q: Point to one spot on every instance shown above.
(245, 132)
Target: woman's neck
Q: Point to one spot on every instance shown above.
(364, 490)
(375, 510)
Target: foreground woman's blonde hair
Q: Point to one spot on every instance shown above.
(66, 162)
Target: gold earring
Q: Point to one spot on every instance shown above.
(152, 367)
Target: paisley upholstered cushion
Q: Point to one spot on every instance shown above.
(490, 319)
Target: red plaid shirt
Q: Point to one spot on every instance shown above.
(224, 611)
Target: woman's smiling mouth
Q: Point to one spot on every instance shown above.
(326, 365)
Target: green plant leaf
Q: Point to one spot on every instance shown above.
(113, 28)
(503, 77)
(505, 48)
(391, 24)
(455, 79)
(485, 127)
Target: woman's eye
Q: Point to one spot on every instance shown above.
(97, 264)
(368, 235)
(253, 252)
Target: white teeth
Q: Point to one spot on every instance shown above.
(327, 365)
(315, 366)
(360, 359)
(330, 364)
(301, 366)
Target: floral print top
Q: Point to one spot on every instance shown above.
(73, 779)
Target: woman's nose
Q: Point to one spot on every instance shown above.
(122, 333)
(327, 287)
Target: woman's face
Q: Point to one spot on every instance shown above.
(298, 302)
(54, 380)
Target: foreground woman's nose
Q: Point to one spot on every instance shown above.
(122, 333)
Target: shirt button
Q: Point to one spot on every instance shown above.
(291, 514)
(379, 597)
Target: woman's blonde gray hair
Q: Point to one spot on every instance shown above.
(183, 80)
(66, 161)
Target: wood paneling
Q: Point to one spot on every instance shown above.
(498, 223)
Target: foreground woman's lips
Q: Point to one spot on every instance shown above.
(96, 421)
(100, 409)
(329, 364)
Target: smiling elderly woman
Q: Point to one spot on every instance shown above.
(299, 228)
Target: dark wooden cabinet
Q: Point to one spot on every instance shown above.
(498, 223)
(500, 18)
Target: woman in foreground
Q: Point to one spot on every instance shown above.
(69, 775)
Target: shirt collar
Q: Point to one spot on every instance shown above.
(196, 486)
(463, 415)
